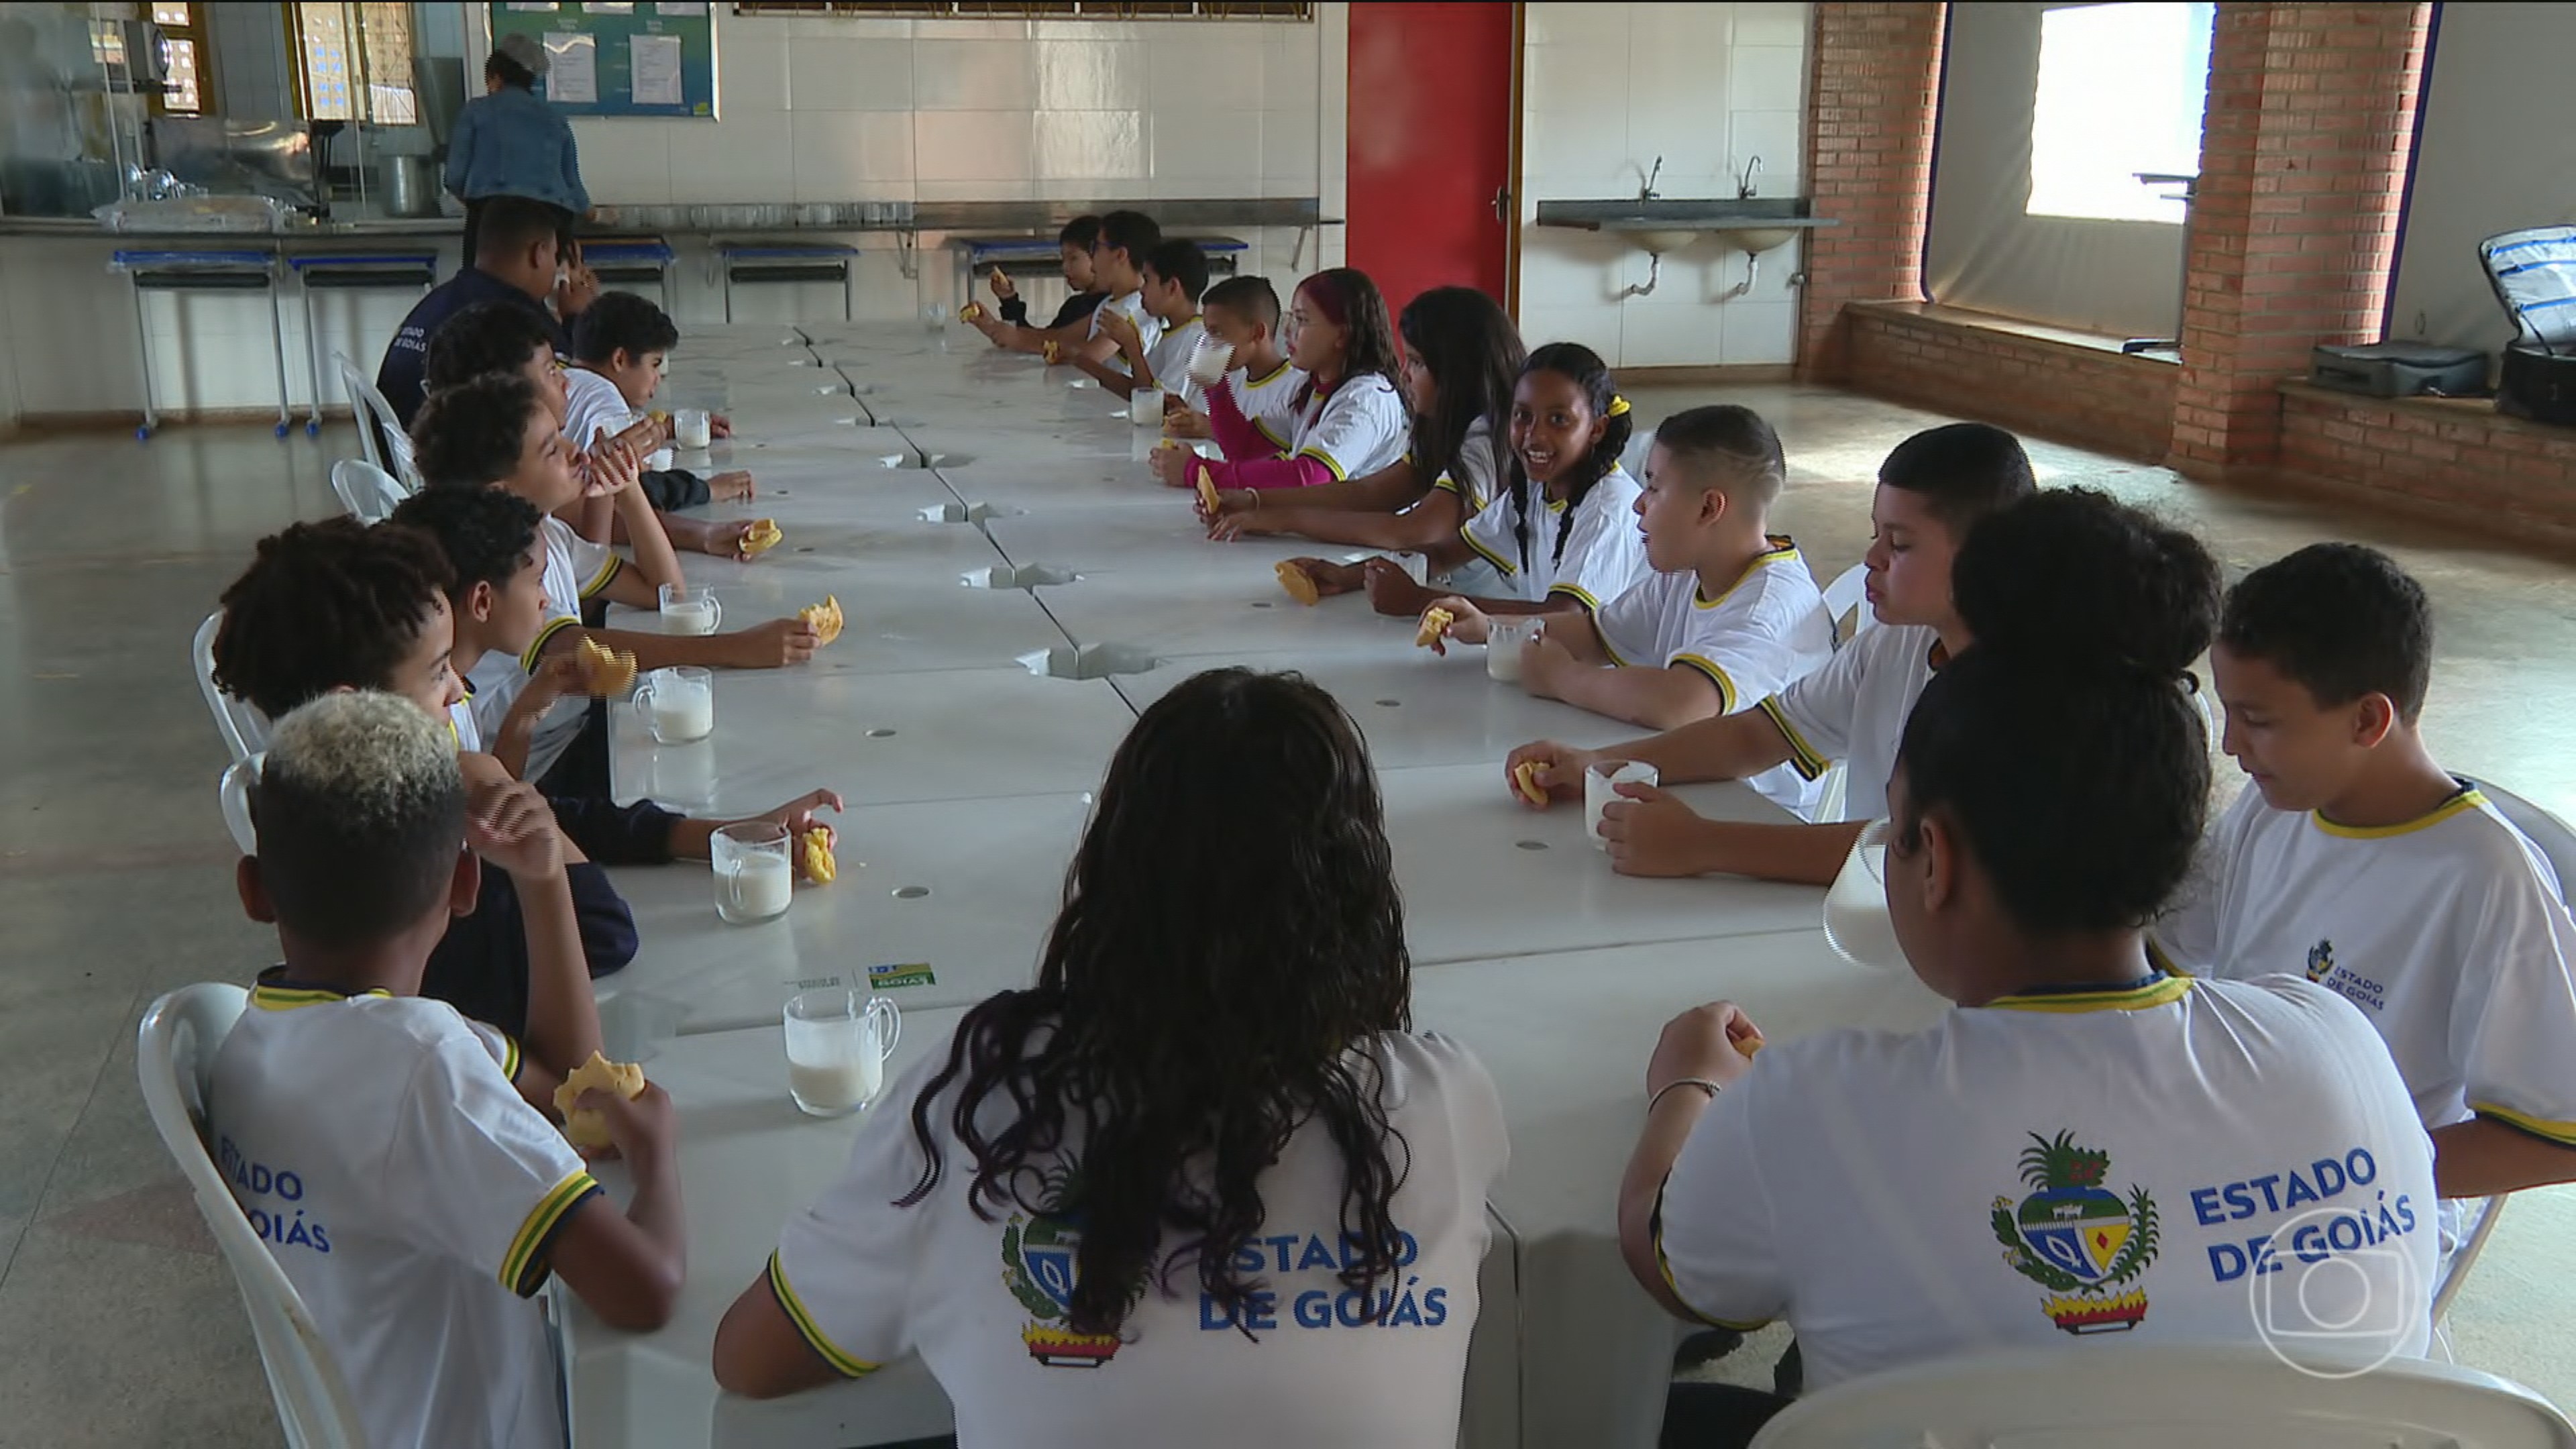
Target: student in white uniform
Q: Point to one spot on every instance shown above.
(1014, 1211)
(493, 431)
(589, 402)
(1932, 490)
(1462, 357)
(2355, 859)
(1242, 313)
(389, 1152)
(2085, 1153)
(1728, 614)
(1561, 531)
(1118, 264)
(1175, 276)
(1349, 418)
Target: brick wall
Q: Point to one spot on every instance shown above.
(1870, 97)
(2304, 150)
(2457, 458)
(2073, 393)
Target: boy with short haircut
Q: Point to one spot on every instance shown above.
(391, 1153)
(1729, 616)
(1117, 269)
(1175, 274)
(619, 347)
(487, 339)
(496, 597)
(2356, 860)
(1074, 242)
(1931, 490)
(1243, 313)
(494, 431)
(337, 605)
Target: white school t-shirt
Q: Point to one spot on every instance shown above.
(1268, 402)
(593, 406)
(1766, 631)
(575, 570)
(1853, 708)
(983, 1303)
(1477, 475)
(1170, 356)
(411, 1195)
(2166, 1163)
(1605, 555)
(1130, 305)
(2448, 933)
(1354, 430)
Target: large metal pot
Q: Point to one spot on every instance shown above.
(411, 185)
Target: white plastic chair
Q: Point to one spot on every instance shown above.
(241, 726)
(367, 491)
(1849, 594)
(2149, 1396)
(175, 1054)
(366, 404)
(233, 792)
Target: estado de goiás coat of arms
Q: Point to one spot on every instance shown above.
(1039, 1254)
(2077, 1239)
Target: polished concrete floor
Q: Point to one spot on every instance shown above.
(119, 1326)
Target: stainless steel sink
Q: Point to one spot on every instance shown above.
(1752, 225)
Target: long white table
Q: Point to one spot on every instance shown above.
(1554, 969)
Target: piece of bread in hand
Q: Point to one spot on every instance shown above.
(1299, 584)
(824, 619)
(1525, 780)
(764, 536)
(599, 1074)
(606, 672)
(815, 854)
(1435, 623)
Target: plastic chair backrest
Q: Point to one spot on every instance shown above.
(367, 491)
(2133, 1396)
(398, 453)
(366, 405)
(233, 792)
(175, 1055)
(241, 726)
(1849, 594)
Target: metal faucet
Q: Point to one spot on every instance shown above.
(1744, 184)
(1646, 188)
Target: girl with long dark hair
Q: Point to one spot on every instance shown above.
(1202, 1156)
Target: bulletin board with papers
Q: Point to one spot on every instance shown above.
(643, 58)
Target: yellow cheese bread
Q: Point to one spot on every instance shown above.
(970, 311)
(764, 536)
(599, 1074)
(1435, 623)
(1299, 584)
(1207, 490)
(1525, 780)
(1748, 1044)
(606, 671)
(1051, 352)
(820, 865)
(824, 618)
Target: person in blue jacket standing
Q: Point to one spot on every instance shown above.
(507, 142)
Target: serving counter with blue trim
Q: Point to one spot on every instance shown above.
(410, 271)
(200, 269)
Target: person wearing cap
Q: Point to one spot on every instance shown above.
(507, 142)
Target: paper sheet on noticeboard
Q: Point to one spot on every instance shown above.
(656, 69)
(574, 76)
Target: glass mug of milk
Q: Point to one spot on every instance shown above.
(1210, 362)
(1504, 636)
(692, 428)
(1857, 924)
(755, 879)
(679, 704)
(837, 1045)
(1601, 786)
(690, 609)
(1145, 407)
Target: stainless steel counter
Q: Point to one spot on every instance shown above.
(763, 218)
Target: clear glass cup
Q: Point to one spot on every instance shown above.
(1504, 636)
(678, 704)
(692, 428)
(1210, 361)
(1600, 787)
(837, 1044)
(1145, 407)
(690, 609)
(755, 871)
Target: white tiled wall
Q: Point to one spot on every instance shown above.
(813, 109)
(1608, 88)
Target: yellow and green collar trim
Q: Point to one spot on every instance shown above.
(286, 996)
(843, 1362)
(2469, 798)
(1782, 550)
(2143, 996)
